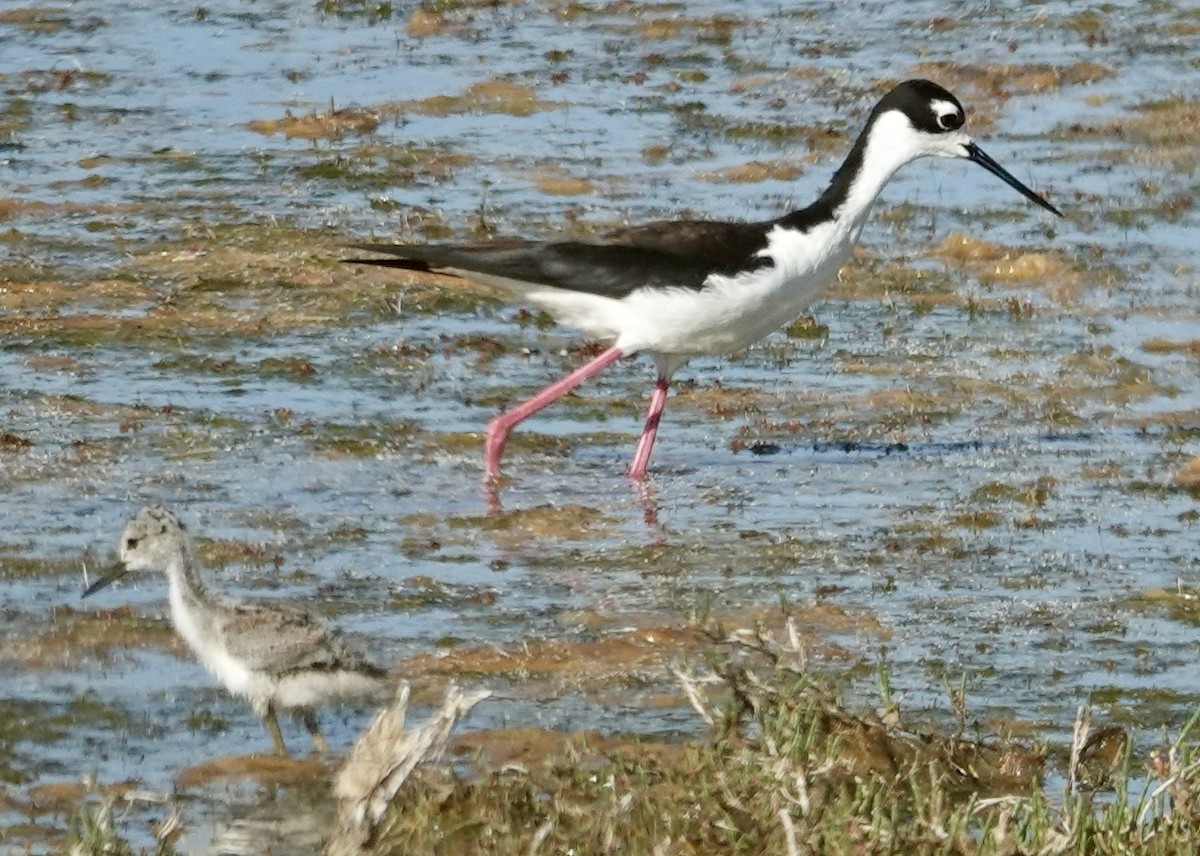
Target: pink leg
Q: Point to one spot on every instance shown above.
(500, 427)
(641, 458)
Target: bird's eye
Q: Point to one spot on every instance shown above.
(131, 543)
(950, 121)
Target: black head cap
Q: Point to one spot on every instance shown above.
(930, 108)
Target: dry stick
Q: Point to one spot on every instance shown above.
(1083, 725)
(1062, 841)
(543, 832)
(1174, 774)
(691, 689)
(789, 832)
(1165, 788)
(383, 759)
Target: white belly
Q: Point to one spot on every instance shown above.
(728, 314)
(209, 649)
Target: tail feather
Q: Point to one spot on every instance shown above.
(396, 257)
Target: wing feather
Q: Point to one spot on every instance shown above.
(666, 255)
(279, 641)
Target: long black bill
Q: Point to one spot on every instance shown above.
(977, 155)
(114, 573)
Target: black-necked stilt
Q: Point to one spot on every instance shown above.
(277, 657)
(679, 289)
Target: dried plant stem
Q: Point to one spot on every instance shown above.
(382, 760)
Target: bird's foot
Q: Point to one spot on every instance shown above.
(493, 447)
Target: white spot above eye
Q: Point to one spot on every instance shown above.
(947, 113)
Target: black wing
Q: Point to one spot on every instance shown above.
(667, 254)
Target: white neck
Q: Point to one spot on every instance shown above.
(184, 578)
(891, 144)
(191, 606)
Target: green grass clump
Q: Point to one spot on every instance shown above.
(790, 769)
(787, 767)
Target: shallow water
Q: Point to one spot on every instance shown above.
(993, 485)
